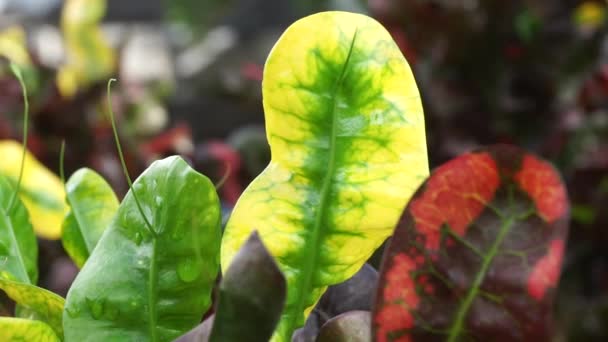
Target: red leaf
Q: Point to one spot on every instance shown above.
(543, 184)
(546, 271)
(475, 253)
(455, 195)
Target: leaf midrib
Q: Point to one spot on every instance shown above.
(457, 326)
(152, 297)
(313, 249)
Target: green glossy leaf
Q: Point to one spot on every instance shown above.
(93, 204)
(251, 296)
(477, 254)
(45, 305)
(18, 246)
(346, 130)
(19, 329)
(150, 285)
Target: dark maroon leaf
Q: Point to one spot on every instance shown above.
(251, 299)
(352, 295)
(200, 333)
(477, 253)
(251, 296)
(310, 330)
(353, 326)
(356, 293)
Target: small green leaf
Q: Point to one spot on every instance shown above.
(93, 204)
(46, 306)
(19, 329)
(18, 246)
(251, 298)
(150, 284)
(346, 131)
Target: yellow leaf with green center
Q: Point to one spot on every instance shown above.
(13, 46)
(44, 305)
(90, 57)
(346, 130)
(41, 190)
(19, 329)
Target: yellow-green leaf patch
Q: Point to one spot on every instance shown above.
(93, 204)
(41, 190)
(19, 329)
(47, 306)
(346, 130)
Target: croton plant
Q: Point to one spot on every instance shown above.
(475, 252)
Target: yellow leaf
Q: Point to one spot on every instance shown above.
(590, 14)
(47, 306)
(346, 130)
(13, 45)
(19, 329)
(41, 190)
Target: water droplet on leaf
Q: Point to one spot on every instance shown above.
(137, 238)
(158, 200)
(72, 312)
(96, 307)
(188, 270)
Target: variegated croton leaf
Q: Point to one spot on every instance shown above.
(477, 253)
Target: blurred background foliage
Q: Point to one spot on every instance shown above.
(528, 72)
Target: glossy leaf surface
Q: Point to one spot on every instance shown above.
(18, 245)
(41, 190)
(19, 329)
(45, 305)
(477, 253)
(150, 285)
(93, 204)
(251, 297)
(346, 131)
